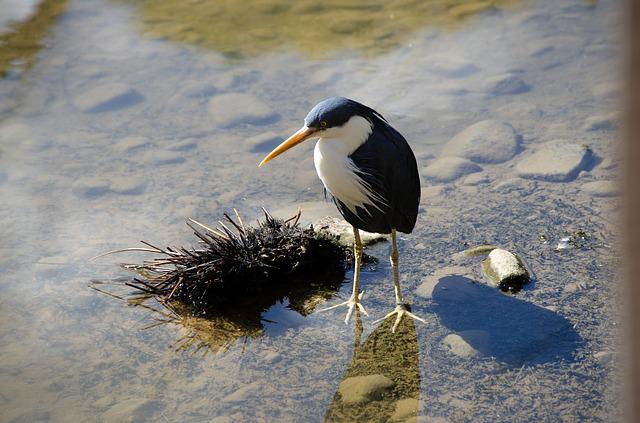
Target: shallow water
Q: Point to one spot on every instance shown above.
(115, 126)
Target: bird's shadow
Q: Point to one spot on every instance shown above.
(502, 326)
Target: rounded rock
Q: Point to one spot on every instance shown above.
(228, 110)
(555, 161)
(487, 141)
(449, 169)
(359, 389)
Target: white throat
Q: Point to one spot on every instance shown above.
(335, 168)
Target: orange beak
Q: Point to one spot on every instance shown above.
(303, 134)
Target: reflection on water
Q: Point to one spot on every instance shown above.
(222, 327)
(24, 39)
(382, 382)
(249, 28)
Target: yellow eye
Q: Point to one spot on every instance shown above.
(323, 123)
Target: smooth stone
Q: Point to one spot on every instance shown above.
(264, 142)
(505, 84)
(601, 188)
(487, 141)
(3, 176)
(232, 109)
(405, 409)
(134, 410)
(475, 179)
(185, 145)
(243, 393)
(458, 346)
(432, 191)
(555, 161)
(90, 187)
(127, 185)
(344, 231)
(107, 97)
(449, 169)
(163, 157)
(605, 122)
(131, 143)
(359, 389)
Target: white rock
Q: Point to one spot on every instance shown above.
(556, 161)
(505, 84)
(107, 97)
(232, 109)
(601, 188)
(449, 169)
(505, 270)
(610, 89)
(359, 389)
(487, 141)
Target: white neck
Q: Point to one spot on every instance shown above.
(335, 168)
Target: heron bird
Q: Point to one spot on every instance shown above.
(370, 172)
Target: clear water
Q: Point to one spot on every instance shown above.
(83, 171)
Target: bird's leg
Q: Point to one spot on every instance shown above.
(356, 295)
(401, 309)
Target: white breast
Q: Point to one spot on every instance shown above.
(337, 171)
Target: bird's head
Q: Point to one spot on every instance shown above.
(334, 118)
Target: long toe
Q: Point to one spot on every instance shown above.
(400, 311)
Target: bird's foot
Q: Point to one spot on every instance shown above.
(401, 310)
(351, 303)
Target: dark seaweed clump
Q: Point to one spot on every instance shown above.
(237, 265)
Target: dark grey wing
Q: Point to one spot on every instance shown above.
(388, 165)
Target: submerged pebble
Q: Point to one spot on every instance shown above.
(90, 187)
(447, 169)
(232, 109)
(359, 389)
(107, 97)
(131, 143)
(405, 409)
(555, 161)
(505, 84)
(487, 141)
(458, 346)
